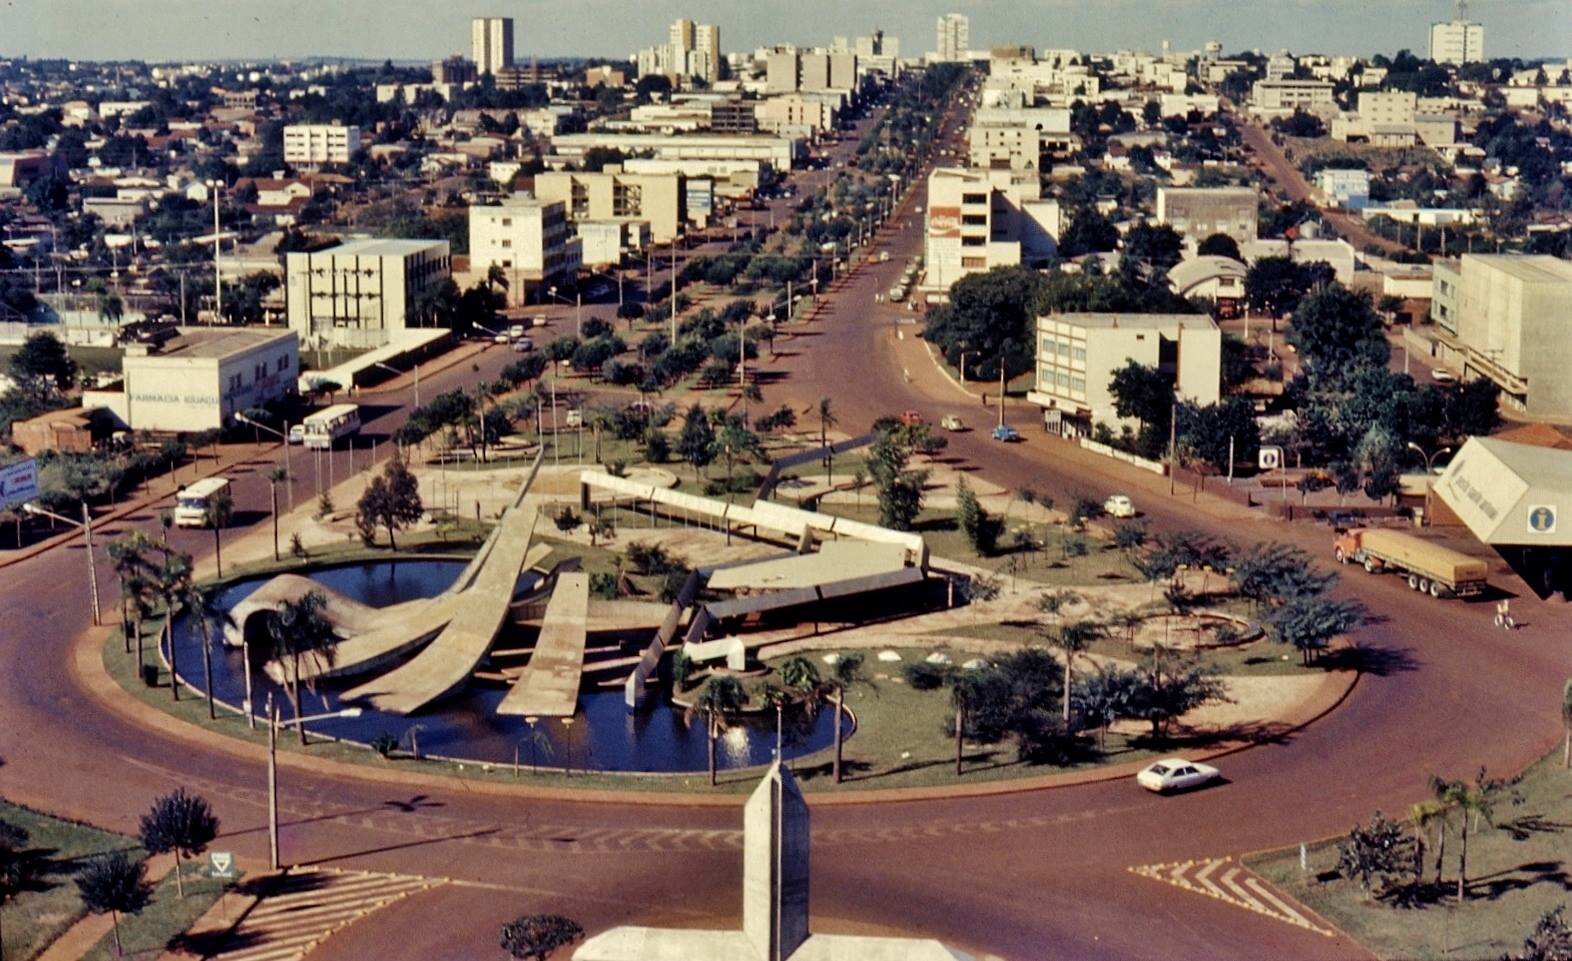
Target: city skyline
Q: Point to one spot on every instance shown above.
(404, 30)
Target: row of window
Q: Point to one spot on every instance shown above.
(1062, 382)
(1054, 347)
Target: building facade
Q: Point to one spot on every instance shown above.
(1505, 317)
(491, 44)
(659, 200)
(528, 239)
(977, 220)
(1077, 355)
(201, 378)
(1198, 212)
(362, 292)
(953, 38)
(310, 144)
(1457, 42)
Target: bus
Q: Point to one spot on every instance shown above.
(192, 503)
(325, 427)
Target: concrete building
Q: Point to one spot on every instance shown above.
(491, 44)
(612, 194)
(795, 111)
(1218, 279)
(528, 239)
(1335, 252)
(1280, 98)
(1505, 317)
(776, 848)
(1199, 212)
(1077, 355)
(1513, 497)
(1349, 189)
(310, 144)
(362, 292)
(1457, 41)
(1007, 146)
(977, 220)
(707, 50)
(953, 38)
(778, 152)
(199, 379)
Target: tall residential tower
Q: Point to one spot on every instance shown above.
(491, 39)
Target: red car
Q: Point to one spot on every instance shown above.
(911, 418)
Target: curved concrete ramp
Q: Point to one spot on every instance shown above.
(347, 616)
(449, 660)
(549, 686)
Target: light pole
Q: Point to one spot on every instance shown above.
(282, 435)
(1429, 476)
(273, 724)
(416, 367)
(963, 365)
(214, 186)
(86, 525)
(578, 308)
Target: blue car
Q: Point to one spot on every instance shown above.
(1006, 433)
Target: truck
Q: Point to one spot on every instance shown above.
(1429, 567)
(193, 502)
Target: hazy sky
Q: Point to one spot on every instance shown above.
(421, 29)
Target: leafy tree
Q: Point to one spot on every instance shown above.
(1145, 393)
(1088, 232)
(1309, 623)
(1129, 536)
(1551, 939)
(990, 318)
(1214, 432)
(42, 361)
(1165, 692)
(696, 443)
(219, 512)
(1071, 639)
(1268, 571)
(391, 501)
(1374, 854)
(981, 529)
(1219, 245)
(1155, 248)
(1104, 696)
(720, 698)
(1376, 459)
(533, 937)
(1566, 724)
(180, 823)
(899, 491)
(1275, 286)
(17, 867)
(1018, 697)
(114, 884)
(301, 636)
(1337, 333)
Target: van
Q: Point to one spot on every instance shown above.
(193, 504)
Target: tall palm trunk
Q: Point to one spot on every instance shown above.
(114, 921)
(1068, 660)
(218, 550)
(960, 727)
(840, 708)
(1440, 847)
(1462, 860)
(136, 624)
(207, 669)
(273, 491)
(180, 884)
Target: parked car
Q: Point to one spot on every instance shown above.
(1006, 433)
(501, 338)
(951, 422)
(1176, 774)
(1119, 505)
(517, 330)
(911, 418)
(575, 418)
(297, 434)
(523, 345)
(1442, 376)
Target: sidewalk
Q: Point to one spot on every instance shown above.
(81, 937)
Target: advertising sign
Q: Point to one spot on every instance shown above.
(18, 483)
(944, 222)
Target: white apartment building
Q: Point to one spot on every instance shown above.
(1457, 42)
(1283, 97)
(1505, 317)
(362, 292)
(310, 144)
(778, 152)
(795, 111)
(658, 199)
(491, 44)
(1199, 212)
(1349, 189)
(199, 379)
(1077, 355)
(977, 220)
(528, 239)
(953, 40)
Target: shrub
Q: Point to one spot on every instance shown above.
(923, 676)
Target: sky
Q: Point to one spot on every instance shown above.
(161, 30)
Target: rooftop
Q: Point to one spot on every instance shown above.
(219, 342)
(1135, 321)
(381, 247)
(1534, 268)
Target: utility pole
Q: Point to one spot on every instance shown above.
(674, 292)
(218, 287)
(92, 569)
(1001, 391)
(272, 783)
(1230, 460)
(1173, 436)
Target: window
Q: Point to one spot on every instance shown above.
(234, 382)
(974, 198)
(507, 245)
(283, 363)
(1078, 353)
(974, 262)
(974, 242)
(507, 221)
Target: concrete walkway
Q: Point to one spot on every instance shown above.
(549, 686)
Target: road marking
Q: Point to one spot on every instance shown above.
(308, 907)
(1235, 885)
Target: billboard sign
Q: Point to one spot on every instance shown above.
(944, 222)
(18, 483)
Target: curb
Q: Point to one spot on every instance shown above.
(87, 670)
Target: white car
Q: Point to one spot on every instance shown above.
(1176, 774)
(1119, 505)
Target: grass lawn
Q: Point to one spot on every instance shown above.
(164, 919)
(1262, 658)
(42, 911)
(1518, 870)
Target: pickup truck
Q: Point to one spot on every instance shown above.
(1430, 568)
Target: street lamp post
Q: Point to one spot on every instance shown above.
(416, 367)
(578, 308)
(1429, 467)
(272, 766)
(86, 526)
(282, 435)
(214, 186)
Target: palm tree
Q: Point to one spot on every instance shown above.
(201, 601)
(171, 581)
(963, 694)
(1071, 639)
(301, 634)
(1421, 814)
(274, 477)
(847, 671)
(826, 421)
(1566, 724)
(720, 697)
(1444, 795)
(496, 277)
(1474, 801)
(220, 510)
(800, 675)
(128, 554)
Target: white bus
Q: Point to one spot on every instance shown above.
(325, 427)
(191, 503)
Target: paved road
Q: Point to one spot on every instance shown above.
(1038, 875)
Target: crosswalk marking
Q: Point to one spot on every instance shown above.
(1231, 883)
(307, 907)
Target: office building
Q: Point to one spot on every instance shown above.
(977, 220)
(491, 44)
(659, 200)
(1505, 317)
(362, 292)
(528, 239)
(1199, 212)
(707, 51)
(795, 111)
(454, 69)
(199, 379)
(954, 38)
(311, 144)
(1077, 355)
(1280, 98)
(778, 152)
(691, 50)
(1457, 42)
